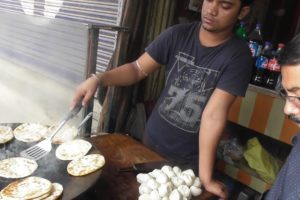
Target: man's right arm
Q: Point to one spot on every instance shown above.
(123, 75)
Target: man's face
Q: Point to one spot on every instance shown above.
(219, 15)
(291, 85)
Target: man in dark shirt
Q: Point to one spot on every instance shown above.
(287, 184)
(206, 68)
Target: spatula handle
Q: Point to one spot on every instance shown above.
(73, 112)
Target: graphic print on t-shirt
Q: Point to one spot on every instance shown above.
(188, 87)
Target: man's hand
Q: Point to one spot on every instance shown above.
(217, 188)
(85, 91)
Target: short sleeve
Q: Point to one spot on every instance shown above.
(159, 48)
(236, 77)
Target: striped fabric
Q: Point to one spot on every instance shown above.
(243, 175)
(263, 113)
(98, 12)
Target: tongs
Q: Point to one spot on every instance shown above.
(44, 147)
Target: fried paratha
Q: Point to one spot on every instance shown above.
(85, 165)
(72, 149)
(17, 167)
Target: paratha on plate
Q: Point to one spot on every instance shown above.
(27, 188)
(30, 132)
(67, 133)
(6, 134)
(85, 165)
(72, 149)
(17, 167)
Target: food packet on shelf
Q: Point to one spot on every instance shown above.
(261, 161)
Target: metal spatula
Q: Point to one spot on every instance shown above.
(44, 147)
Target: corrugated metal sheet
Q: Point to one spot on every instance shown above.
(98, 12)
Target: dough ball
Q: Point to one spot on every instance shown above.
(144, 197)
(189, 172)
(175, 195)
(188, 180)
(144, 189)
(154, 195)
(197, 182)
(162, 178)
(195, 191)
(185, 191)
(165, 189)
(177, 170)
(166, 168)
(152, 184)
(142, 178)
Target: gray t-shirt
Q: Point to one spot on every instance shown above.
(286, 185)
(192, 73)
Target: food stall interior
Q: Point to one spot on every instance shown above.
(42, 60)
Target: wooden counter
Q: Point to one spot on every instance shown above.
(121, 151)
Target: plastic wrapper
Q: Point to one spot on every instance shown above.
(261, 161)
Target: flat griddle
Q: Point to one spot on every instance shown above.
(51, 168)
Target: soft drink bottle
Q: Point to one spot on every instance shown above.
(261, 65)
(273, 68)
(256, 41)
(241, 31)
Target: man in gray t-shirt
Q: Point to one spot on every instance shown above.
(286, 185)
(207, 67)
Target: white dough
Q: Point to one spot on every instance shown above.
(185, 191)
(170, 174)
(165, 189)
(144, 189)
(195, 191)
(152, 184)
(188, 180)
(162, 178)
(189, 172)
(155, 173)
(177, 170)
(142, 178)
(197, 182)
(177, 181)
(166, 168)
(154, 195)
(175, 195)
(145, 197)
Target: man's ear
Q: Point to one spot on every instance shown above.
(244, 12)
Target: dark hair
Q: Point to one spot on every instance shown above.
(246, 2)
(291, 53)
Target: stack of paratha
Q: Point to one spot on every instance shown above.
(34, 188)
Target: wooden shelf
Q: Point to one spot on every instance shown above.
(244, 174)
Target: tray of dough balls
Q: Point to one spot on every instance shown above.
(168, 183)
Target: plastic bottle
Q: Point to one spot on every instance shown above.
(241, 31)
(273, 68)
(261, 65)
(256, 41)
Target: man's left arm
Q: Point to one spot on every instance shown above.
(213, 121)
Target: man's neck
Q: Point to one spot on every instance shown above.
(212, 39)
